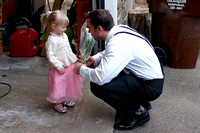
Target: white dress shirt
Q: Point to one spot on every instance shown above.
(58, 51)
(123, 51)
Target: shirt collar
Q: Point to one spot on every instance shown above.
(55, 35)
(111, 33)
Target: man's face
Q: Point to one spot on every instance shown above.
(94, 32)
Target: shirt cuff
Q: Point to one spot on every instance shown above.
(82, 69)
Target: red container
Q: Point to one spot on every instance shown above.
(24, 42)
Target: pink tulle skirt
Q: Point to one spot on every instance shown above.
(64, 87)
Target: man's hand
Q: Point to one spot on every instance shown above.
(89, 61)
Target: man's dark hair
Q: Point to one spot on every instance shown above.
(101, 17)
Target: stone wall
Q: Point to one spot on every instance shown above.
(122, 12)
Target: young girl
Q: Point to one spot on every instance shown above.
(64, 84)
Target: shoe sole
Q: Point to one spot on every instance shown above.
(67, 105)
(139, 124)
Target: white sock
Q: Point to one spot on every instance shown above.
(140, 110)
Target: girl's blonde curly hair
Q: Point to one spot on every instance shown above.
(53, 17)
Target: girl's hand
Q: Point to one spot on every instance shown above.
(79, 58)
(78, 67)
(62, 70)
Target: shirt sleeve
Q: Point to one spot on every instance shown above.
(97, 57)
(50, 54)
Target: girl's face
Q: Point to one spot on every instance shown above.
(59, 29)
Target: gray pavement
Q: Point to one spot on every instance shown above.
(25, 109)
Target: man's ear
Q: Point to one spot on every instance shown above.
(99, 28)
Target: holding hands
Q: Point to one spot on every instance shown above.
(89, 61)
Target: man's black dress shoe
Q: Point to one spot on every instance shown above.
(131, 122)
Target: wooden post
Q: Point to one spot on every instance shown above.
(57, 4)
(82, 7)
(140, 20)
(1, 44)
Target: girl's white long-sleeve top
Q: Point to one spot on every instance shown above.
(58, 51)
(123, 51)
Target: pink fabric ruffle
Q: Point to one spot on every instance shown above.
(64, 87)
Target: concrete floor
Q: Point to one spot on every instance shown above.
(25, 109)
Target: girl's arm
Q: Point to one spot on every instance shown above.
(50, 54)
